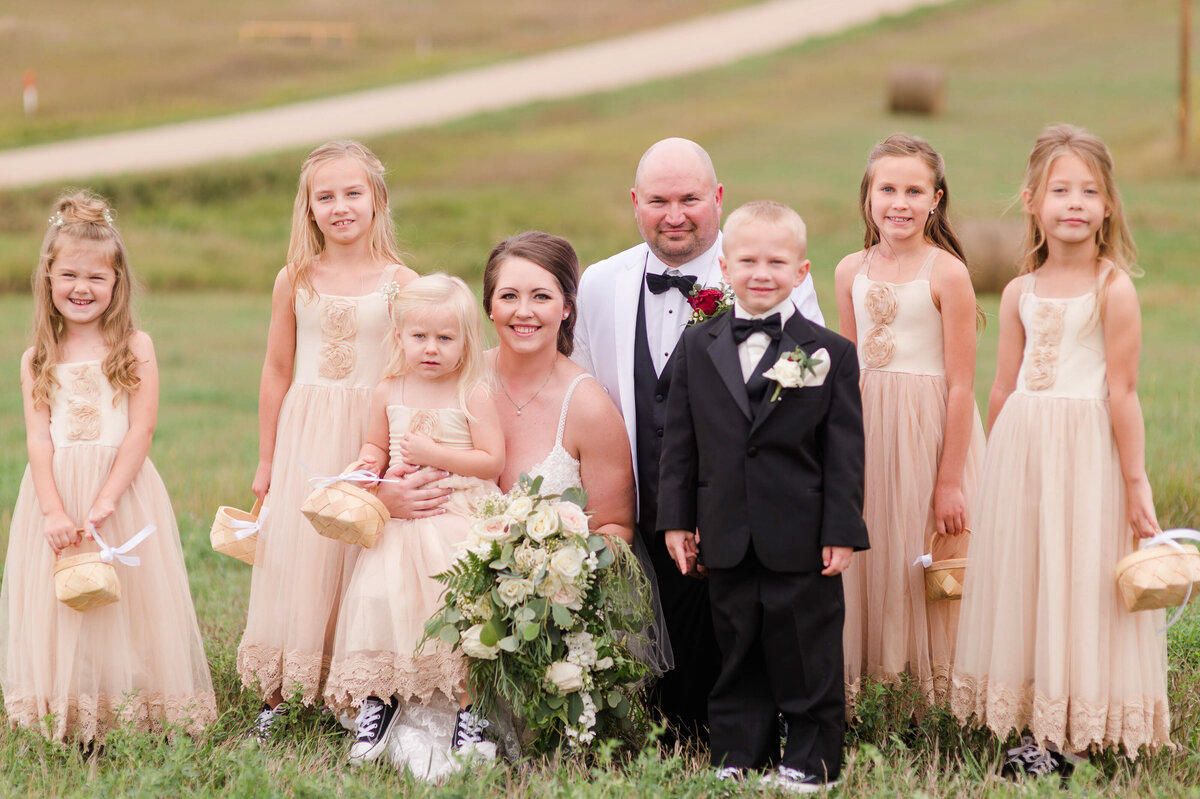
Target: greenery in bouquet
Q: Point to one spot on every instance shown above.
(546, 613)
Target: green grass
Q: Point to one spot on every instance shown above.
(794, 127)
(119, 65)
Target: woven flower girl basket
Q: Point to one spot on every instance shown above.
(228, 524)
(84, 581)
(944, 578)
(346, 512)
(1161, 575)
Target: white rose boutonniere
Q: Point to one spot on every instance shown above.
(798, 369)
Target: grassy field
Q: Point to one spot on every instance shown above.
(116, 65)
(794, 127)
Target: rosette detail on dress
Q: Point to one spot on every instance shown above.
(879, 344)
(425, 422)
(339, 326)
(83, 404)
(1043, 356)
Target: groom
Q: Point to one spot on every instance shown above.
(632, 309)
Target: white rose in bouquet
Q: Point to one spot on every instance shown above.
(519, 509)
(514, 590)
(528, 559)
(567, 563)
(543, 523)
(474, 648)
(569, 596)
(493, 528)
(566, 677)
(550, 585)
(574, 520)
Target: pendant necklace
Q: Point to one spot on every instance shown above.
(539, 391)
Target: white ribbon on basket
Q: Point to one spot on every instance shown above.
(925, 560)
(107, 553)
(1171, 538)
(356, 476)
(246, 529)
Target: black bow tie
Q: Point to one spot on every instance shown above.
(771, 325)
(660, 283)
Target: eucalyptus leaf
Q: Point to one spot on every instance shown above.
(449, 634)
(508, 643)
(530, 631)
(576, 495)
(562, 616)
(491, 632)
(596, 543)
(574, 707)
(605, 558)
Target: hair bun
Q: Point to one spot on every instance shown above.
(82, 207)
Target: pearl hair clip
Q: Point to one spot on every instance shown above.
(390, 290)
(57, 219)
(108, 216)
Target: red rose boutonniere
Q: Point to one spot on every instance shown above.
(708, 302)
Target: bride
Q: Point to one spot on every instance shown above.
(558, 422)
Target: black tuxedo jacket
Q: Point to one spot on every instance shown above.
(785, 475)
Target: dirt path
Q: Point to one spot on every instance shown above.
(689, 46)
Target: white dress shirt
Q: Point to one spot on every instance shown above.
(667, 314)
(751, 350)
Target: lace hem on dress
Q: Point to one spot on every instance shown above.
(268, 669)
(88, 718)
(385, 674)
(1069, 724)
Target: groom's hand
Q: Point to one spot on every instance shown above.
(684, 550)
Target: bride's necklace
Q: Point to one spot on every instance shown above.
(545, 382)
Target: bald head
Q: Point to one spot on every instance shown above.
(677, 200)
(675, 154)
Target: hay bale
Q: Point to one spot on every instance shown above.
(917, 89)
(992, 247)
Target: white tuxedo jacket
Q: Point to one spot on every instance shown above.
(607, 321)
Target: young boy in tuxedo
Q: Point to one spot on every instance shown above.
(762, 474)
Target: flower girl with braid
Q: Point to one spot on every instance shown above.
(90, 389)
(433, 409)
(1046, 644)
(325, 353)
(906, 298)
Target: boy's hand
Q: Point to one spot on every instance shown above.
(684, 549)
(836, 560)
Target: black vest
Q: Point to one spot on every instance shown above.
(650, 412)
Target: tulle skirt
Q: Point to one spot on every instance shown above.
(891, 629)
(299, 575)
(391, 595)
(1045, 642)
(138, 661)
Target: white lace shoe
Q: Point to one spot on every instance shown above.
(260, 731)
(372, 727)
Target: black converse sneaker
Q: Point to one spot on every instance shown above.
(374, 724)
(468, 733)
(260, 731)
(1032, 760)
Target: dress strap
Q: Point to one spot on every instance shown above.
(865, 266)
(387, 275)
(927, 267)
(562, 417)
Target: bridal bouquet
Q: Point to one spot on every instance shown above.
(545, 612)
